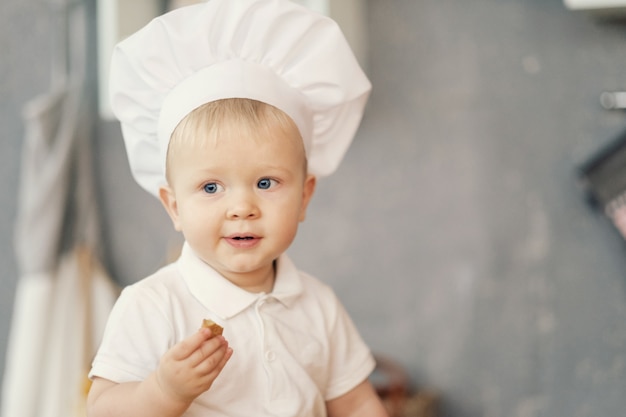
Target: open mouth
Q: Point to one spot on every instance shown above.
(243, 241)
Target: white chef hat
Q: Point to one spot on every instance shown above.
(274, 51)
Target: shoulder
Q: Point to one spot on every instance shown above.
(158, 293)
(320, 296)
(314, 286)
(158, 283)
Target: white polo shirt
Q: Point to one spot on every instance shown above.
(294, 349)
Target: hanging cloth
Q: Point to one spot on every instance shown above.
(63, 294)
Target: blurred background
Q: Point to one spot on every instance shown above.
(456, 232)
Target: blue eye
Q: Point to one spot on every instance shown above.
(265, 183)
(211, 188)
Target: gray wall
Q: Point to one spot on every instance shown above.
(455, 231)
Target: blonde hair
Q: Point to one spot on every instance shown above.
(214, 119)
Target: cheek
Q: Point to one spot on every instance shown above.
(288, 218)
(196, 219)
(285, 233)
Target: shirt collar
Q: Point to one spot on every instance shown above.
(224, 298)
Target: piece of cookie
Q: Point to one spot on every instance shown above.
(216, 329)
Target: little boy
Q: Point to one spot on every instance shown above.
(229, 112)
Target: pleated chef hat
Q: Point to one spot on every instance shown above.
(274, 51)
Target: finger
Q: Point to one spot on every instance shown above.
(188, 346)
(212, 370)
(215, 361)
(226, 358)
(207, 349)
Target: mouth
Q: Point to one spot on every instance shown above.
(243, 241)
(243, 236)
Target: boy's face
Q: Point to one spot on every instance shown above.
(238, 201)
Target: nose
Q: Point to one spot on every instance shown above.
(242, 206)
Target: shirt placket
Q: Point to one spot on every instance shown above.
(269, 354)
(277, 378)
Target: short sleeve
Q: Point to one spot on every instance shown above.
(351, 361)
(136, 336)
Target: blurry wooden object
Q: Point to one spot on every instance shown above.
(603, 178)
(392, 385)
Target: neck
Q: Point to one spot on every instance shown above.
(256, 282)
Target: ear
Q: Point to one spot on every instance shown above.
(307, 193)
(168, 199)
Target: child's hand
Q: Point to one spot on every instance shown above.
(189, 368)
